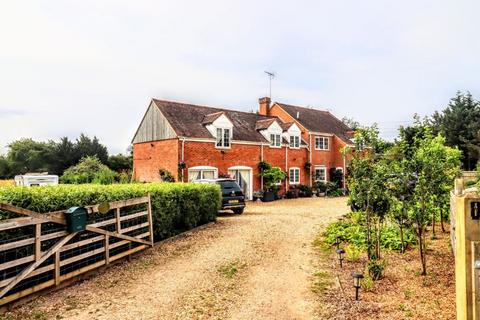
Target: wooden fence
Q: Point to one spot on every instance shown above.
(37, 251)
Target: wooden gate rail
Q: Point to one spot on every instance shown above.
(65, 241)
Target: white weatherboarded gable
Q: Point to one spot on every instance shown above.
(154, 126)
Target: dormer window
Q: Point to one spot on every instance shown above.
(275, 140)
(294, 141)
(223, 138)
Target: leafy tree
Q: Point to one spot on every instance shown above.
(351, 123)
(62, 155)
(120, 162)
(367, 184)
(271, 175)
(436, 167)
(27, 155)
(400, 185)
(89, 170)
(84, 147)
(5, 168)
(459, 123)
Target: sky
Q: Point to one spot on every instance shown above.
(71, 67)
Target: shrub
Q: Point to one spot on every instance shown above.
(271, 176)
(376, 268)
(354, 232)
(390, 238)
(176, 207)
(336, 176)
(367, 283)
(89, 170)
(351, 233)
(352, 253)
(305, 191)
(320, 187)
(290, 194)
(166, 176)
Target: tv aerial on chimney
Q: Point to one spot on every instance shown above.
(270, 75)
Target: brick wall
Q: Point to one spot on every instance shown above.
(205, 154)
(149, 157)
(329, 158)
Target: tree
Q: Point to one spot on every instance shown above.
(62, 155)
(459, 123)
(26, 155)
(351, 123)
(84, 147)
(367, 184)
(120, 163)
(89, 170)
(5, 168)
(435, 165)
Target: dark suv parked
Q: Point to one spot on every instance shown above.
(232, 195)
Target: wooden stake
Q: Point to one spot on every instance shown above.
(38, 241)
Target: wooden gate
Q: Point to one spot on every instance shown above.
(37, 251)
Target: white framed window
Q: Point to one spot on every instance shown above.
(322, 143)
(275, 140)
(223, 138)
(294, 141)
(294, 175)
(201, 173)
(320, 173)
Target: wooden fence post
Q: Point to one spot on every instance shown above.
(150, 219)
(57, 267)
(38, 241)
(107, 249)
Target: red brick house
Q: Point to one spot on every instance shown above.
(197, 142)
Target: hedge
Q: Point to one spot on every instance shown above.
(176, 207)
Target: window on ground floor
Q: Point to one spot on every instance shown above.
(294, 175)
(320, 173)
(201, 173)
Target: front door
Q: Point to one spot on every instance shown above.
(242, 176)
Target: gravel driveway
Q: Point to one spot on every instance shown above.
(255, 266)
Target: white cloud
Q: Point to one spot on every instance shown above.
(92, 66)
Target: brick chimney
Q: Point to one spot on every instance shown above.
(264, 106)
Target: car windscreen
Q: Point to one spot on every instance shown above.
(229, 185)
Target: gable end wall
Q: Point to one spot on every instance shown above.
(154, 126)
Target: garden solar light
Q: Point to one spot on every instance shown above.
(338, 240)
(356, 282)
(340, 253)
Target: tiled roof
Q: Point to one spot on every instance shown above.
(264, 123)
(286, 125)
(210, 118)
(318, 121)
(187, 120)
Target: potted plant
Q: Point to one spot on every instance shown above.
(293, 193)
(181, 166)
(321, 188)
(304, 191)
(271, 177)
(257, 195)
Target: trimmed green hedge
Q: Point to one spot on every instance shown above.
(176, 207)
